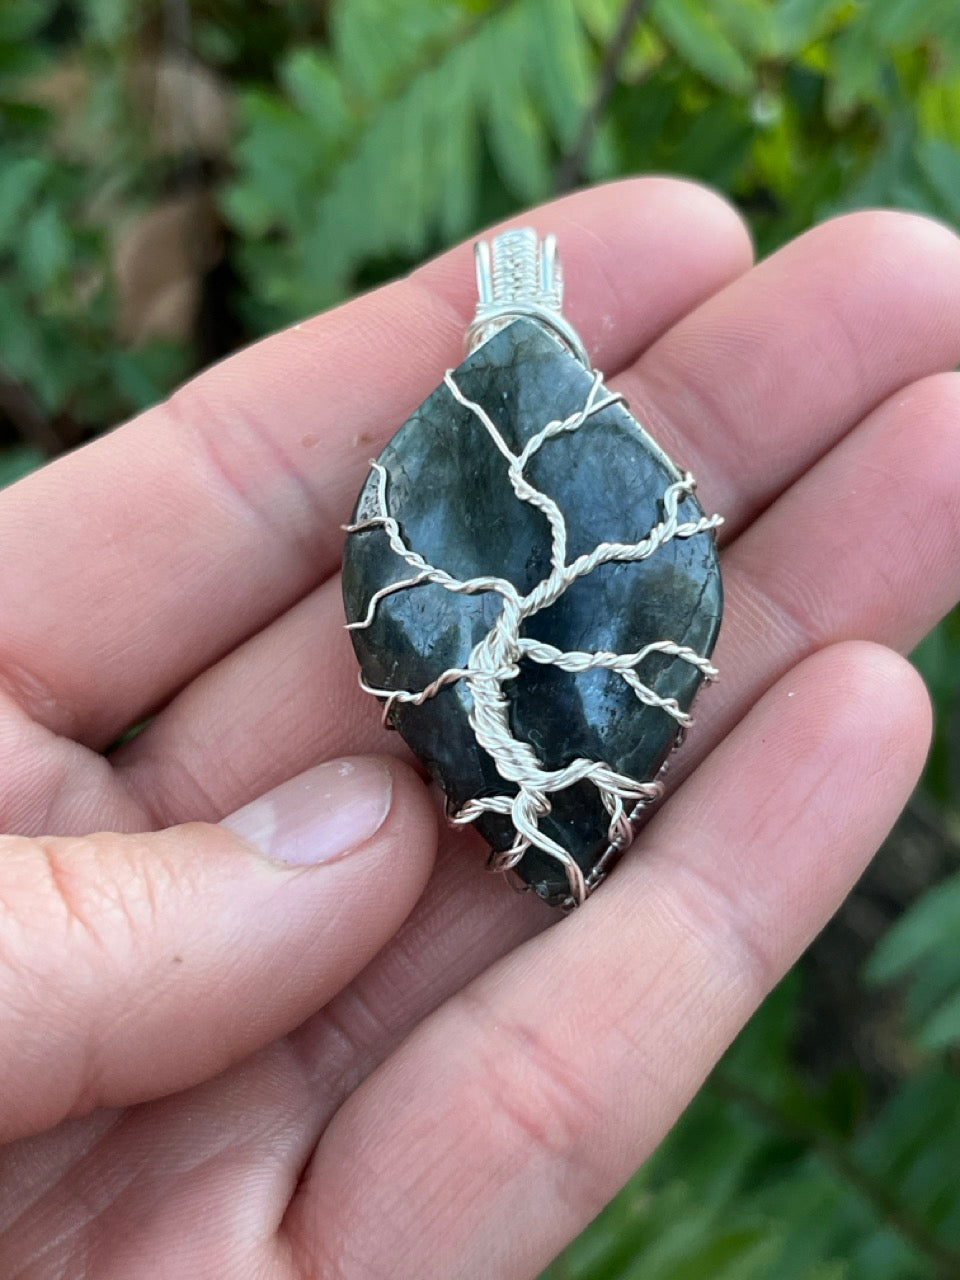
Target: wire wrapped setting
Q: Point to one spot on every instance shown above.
(495, 659)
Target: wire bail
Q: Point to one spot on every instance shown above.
(520, 275)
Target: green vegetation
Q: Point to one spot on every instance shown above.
(176, 178)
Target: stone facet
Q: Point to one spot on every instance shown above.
(449, 492)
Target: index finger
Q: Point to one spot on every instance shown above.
(137, 561)
(517, 1109)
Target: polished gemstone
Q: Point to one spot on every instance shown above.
(446, 483)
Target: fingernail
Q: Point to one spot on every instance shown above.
(320, 815)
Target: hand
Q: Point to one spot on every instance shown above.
(223, 1052)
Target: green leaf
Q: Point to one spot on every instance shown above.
(457, 156)
(378, 42)
(857, 78)
(146, 375)
(749, 24)
(22, 179)
(942, 1028)
(314, 86)
(18, 461)
(19, 61)
(644, 54)
(760, 1054)
(693, 32)
(892, 176)
(716, 145)
(280, 162)
(940, 163)
(23, 19)
(898, 22)
(936, 658)
(417, 94)
(938, 109)
(932, 922)
(518, 145)
(798, 23)
(21, 343)
(560, 66)
(933, 982)
(108, 21)
(45, 250)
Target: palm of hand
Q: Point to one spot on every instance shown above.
(472, 1098)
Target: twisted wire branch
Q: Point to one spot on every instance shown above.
(496, 657)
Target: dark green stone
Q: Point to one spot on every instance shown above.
(449, 491)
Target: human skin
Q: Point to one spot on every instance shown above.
(288, 1042)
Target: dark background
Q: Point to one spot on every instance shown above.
(177, 178)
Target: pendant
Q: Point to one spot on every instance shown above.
(532, 589)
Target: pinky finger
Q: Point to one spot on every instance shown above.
(502, 1126)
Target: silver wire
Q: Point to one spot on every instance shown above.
(496, 658)
(518, 275)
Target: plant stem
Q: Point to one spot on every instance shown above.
(885, 1203)
(570, 172)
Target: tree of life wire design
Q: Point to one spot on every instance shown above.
(495, 659)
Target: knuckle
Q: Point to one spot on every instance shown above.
(724, 922)
(88, 894)
(789, 608)
(546, 1109)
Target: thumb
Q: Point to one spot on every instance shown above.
(135, 965)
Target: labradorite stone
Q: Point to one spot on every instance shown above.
(449, 491)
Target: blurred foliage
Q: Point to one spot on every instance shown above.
(177, 177)
(69, 156)
(770, 1176)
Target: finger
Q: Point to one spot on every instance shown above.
(132, 966)
(50, 784)
(891, 282)
(523, 1104)
(224, 506)
(749, 390)
(866, 544)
